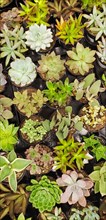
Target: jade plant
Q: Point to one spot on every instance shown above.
(71, 30)
(35, 12)
(11, 165)
(58, 93)
(95, 146)
(57, 214)
(84, 89)
(80, 59)
(5, 108)
(77, 187)
(87, 213)
(12, 43)
(69, 154)
(3, 80)
(44, 194)
(17, 200)
(101, 50)
(22, 71)
(96, 22)
(8, 135)
(41, 157)
(98, 176)
(36, 130)
(51, 67)
(38, 37)
(29, 101)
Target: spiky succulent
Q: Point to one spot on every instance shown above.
(44, 194)
(38, 37)
(22, 71)
(80, 59)
(51, 67)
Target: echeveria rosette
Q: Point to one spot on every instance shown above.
(77, 187)
(38, 37)
(22, 71)
(44, 194)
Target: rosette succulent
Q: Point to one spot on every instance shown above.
(38, 37)
(22, 71)
(44, 194)
(80, 59)
(51, 67)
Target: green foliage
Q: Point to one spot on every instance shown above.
(29, 101)
(70, 30)
(51, 67)
(17, 200)
(88, 213)
(5, 108)
(36, 130)
(8, 135)
(69, 154)
(99, 178)
(104, 78)
(89, 4)
(80, 59)
(22, 217)
(12, 43)
(35, 12)
(9, 166)
(96, 147)
(58, 93)
(44, 194)
(55, 215)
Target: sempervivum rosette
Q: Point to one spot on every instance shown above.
(38, 37)
(22, 72)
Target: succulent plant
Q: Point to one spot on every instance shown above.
(35, 12)
(57, 214)
(41, 157)
(77, 187)
(3, 3)
(2, 79)
(102, 50)
(22, 71)
(36, 130)
(11, 165)
(51, 67)
(95, 146)
(29, 101)
(98, 176)
(69, 154)
(58, 93)
(22, 217)
(85, 88)
(80, 59)
(89, 4)
(5, 108)
(45, 194)
(104, 78)
(70, 30)
(17, 200)
(12, 43)
(87, 213)
(8, 135)
(38, 37)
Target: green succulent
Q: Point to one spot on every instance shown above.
(45, 194)
(99, 178)
(80, 59)
(55, 215)
(89, 4)
(5, 108)
(4, 2)
(8, 135)
(22, 217)
(29, 101)
(51, 67)
(70, 30)
(58, 92)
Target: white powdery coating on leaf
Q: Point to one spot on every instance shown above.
(38, 37)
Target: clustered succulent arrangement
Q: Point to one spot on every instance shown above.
(53, 109)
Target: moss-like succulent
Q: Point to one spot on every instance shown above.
(17, 200)
(69, 31)
(8, 135)
(45, 194)
(29, 101)
(98, 176)
(80, 59)
(41, 157)
(5, 108)
(51, 67)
